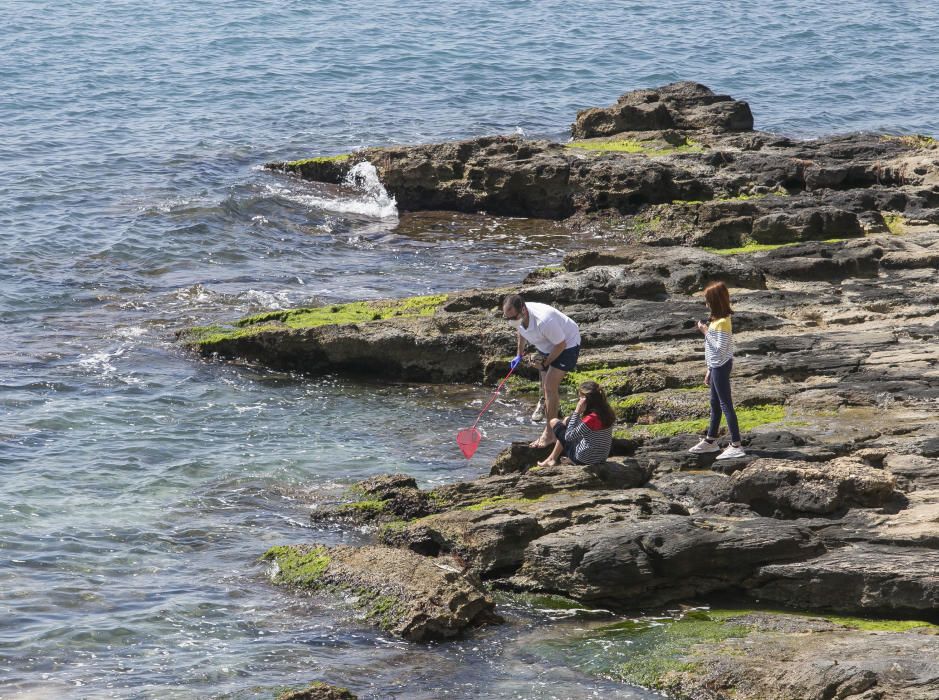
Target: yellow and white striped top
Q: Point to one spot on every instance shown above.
(719, 342)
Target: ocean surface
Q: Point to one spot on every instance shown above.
(138, 483)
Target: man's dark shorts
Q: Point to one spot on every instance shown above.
(567, 360)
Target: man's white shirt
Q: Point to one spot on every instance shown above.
(547, 327)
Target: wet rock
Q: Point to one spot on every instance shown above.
(652, 561)
(318, 691)
(491, 536)
(518, 457)
(761, 656)
(856, 578)
(415, 597)
(380, 498)
(536, 482)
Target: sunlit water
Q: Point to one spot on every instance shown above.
(139, 484)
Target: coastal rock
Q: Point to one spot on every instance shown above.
(694, 490)
(539, 481)
(417, 598)
(791, 333)
(651, 561)
(784, 488)
(318, 691)
(830, 248)
(761, 656)
(682, 105)
(380, 498)
(807, 224)
(915, 525)
(517, 457)
(492, 535)
(856, 578)
(650, 160)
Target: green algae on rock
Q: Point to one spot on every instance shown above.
(317, 159)
(329, 169)
(643, 147)
(317, 690)
(748, 418)
(314, 317)
(400, 591)
(352, 312)
(753, 247)
(363, 510)
(298, 566)
(723, 654)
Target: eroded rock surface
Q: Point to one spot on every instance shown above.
(784, 657)
(415, 597)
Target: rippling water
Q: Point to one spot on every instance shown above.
(138, 484)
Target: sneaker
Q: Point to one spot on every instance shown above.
(704, 446)
(732, 453)
(538, 414)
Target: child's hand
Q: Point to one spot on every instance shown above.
(707, 378)
(581, 407)
(702, 326)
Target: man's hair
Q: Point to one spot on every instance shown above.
(514, 301)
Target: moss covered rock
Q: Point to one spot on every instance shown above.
(402, 592)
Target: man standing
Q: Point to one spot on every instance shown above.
(557, 340)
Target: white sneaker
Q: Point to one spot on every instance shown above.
(732, 453)
(538, 414)
(704, 447)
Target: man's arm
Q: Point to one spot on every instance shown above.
(555, 352)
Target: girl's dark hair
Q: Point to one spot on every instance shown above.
(597, 403)
(718, 299)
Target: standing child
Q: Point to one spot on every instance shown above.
(719, 357)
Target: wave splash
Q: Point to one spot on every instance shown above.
(368, 196)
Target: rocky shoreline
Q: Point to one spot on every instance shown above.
(831, 248)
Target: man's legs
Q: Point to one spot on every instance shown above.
(538, 414)
(552, 401)
(552, 458)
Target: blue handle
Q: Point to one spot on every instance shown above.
(514, 363)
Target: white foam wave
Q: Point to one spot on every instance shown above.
(101, 365)
(267, 300)
(131, 332)
(369, 196)
(100, 361)
(195, 293)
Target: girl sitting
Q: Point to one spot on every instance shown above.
(587, 435)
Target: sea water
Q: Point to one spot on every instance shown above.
(138, 483)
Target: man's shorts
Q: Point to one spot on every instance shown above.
(567, 360)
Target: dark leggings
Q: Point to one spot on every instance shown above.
(722, 402)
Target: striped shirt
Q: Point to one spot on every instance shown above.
(719, 343)
(587, 446)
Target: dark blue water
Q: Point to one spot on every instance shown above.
(139, 484)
